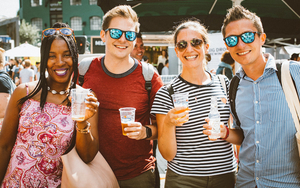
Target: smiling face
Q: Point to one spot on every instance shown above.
(138, 50)
(191, 57)
(243, 53)
(119, 48)
(60, 63)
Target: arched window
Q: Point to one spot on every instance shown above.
(35, 3)
(75, 2)
(93, 2)
(76, 23)
(38, 23)
(95, 23)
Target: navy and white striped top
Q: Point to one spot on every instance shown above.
(196, 155)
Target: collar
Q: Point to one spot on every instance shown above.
(270, 66)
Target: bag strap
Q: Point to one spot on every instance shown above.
(234, 83)
(148, 72)
(83, 67)
(222, 80)
(290, 93)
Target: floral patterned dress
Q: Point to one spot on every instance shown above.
(43, 136)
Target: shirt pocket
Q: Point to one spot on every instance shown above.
(277, 107)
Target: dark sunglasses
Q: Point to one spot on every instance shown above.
(117, 33)
(247, 37)
(182, 45)
(64, 31)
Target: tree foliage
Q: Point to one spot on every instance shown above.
(28, 33)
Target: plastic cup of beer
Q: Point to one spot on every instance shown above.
(78, 103)
(181, 100)
(127, 115)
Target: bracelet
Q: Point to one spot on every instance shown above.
(86, 130)
(227, 134)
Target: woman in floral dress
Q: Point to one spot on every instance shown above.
(38, 128)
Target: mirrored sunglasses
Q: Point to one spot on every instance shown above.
(247, 37)
(64, 31)
(117, 33)
(182, 45)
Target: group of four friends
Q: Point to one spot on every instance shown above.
(37, 128)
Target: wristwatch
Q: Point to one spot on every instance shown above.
(148, 132)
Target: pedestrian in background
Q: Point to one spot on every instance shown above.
(6, 87)
(226, 66)
(26, 74)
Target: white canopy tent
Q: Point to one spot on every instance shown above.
(24, 50)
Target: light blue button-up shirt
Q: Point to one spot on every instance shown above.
(269, 154)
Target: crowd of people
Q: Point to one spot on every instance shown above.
(37, 128)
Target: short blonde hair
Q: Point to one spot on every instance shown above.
(123, 11)
(27, 63)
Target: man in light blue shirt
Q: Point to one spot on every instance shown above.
(268, 154)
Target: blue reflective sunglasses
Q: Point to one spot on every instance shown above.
(247, 37)
(117, 33)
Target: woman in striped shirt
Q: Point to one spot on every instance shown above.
(193, 160)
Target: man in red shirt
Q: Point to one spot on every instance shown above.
(118, 82)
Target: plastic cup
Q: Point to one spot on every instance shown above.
(127, 116)
(181, 100)
(78, 104)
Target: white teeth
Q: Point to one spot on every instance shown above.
(123, 47)
(243, 53)
(191, 57)
(61, 72)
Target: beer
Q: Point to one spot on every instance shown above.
(123, 127)
(77, 117)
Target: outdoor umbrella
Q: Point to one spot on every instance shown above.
(24, 50)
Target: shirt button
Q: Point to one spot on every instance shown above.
(255, 82)
(257, 178)
(257, 122)
(257, 142)
(256, 102)
(257, 161)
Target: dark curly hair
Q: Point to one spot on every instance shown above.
(45, 48)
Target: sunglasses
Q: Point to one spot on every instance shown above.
(64, 31)
(247, 37)
(182, 45)
(117, 33)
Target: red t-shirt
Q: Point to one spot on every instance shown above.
(128, 158)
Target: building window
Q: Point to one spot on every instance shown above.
(35, 3)
(95, 23)
(75, 2)
(38, 23)
(93, 2)
(76, 23)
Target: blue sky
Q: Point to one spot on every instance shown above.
(9, 8)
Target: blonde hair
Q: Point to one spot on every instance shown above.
(123, 11)
(27, 63)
